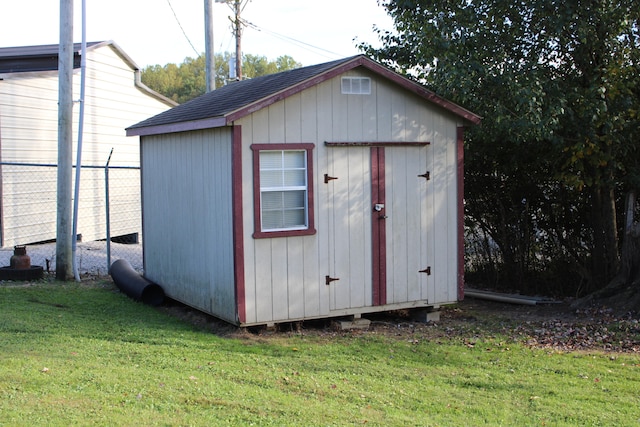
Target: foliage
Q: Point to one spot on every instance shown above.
(557, 83)
(79, 354)
(188, 80)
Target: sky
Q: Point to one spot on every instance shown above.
(167, 31)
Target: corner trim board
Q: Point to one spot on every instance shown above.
(238, 229)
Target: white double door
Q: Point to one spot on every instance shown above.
(377, 207)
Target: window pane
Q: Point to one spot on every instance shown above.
(294, 159)
(346, 85)
(272, 178)
(294, 199)
(271, 160)
(272, 220)
(366, 86)
(283, 209)
(355, 86)
(294, 178)
(272, 200)
(294, 218)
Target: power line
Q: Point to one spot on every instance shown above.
(292, 40)
(183, 31)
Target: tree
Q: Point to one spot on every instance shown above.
(187, 80)
(557, 84)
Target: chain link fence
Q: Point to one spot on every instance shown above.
(109, 215)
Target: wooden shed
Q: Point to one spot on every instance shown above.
(325, 191)
(114, 97)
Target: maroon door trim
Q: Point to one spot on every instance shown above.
(378, 226)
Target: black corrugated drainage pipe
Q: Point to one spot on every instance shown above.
(134, 285)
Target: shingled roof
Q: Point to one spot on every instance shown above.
(224, 105)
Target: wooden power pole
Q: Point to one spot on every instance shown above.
(210, 60)
(64, 267)
(237, 29)
(237, 6)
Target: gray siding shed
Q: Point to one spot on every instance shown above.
(372, 216)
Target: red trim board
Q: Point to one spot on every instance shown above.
(238, 233)
(460, 189)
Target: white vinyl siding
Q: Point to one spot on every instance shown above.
(29, 134)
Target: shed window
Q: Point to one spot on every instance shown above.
(283, 189)
(356, 85)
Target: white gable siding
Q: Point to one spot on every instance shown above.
(29, 133)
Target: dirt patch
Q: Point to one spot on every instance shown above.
(553, 326)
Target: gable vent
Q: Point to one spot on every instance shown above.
(356, 85)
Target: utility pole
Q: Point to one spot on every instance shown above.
(65, 142)
(237, 28)
(237, 6)
(210, 60)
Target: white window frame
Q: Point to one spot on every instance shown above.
(259, 190)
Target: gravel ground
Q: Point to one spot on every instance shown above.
(91, 256)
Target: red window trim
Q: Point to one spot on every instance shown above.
(257, 226)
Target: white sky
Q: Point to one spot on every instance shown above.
(148, 32)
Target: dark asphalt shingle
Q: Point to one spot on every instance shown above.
(234, 96)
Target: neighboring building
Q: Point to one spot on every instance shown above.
(114, 97)
(324, 191)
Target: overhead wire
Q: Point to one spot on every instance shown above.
(198, 54)
(312, 48)
(300, 43)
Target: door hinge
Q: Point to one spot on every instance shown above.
(426, 175)
(426, 270)
(328, 178)
(329, 279)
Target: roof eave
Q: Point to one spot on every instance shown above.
(213, 122)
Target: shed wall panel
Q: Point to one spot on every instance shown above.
(312, 288)
(188, 219)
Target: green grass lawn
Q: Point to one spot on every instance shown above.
(78, 354)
